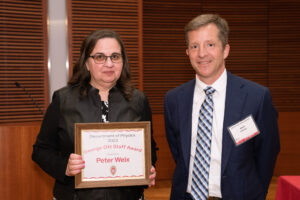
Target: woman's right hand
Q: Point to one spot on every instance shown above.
(75, 165)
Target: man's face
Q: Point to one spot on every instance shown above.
(206, 53)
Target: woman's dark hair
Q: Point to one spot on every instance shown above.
(82, 76)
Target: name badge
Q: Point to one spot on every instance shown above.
(243, 130)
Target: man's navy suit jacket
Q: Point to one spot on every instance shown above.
(246, 169)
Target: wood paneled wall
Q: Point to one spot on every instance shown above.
(23, 60)
(284, 51)
(165, 62)
(288, 161)
(20, 177)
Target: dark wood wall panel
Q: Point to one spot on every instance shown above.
(288, 162)
(165, 62)
(23, 60)
(165, 164)
(21, 178)
(248, 37)
(284, 53)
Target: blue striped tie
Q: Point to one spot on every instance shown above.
(199, 188)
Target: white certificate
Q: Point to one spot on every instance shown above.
(115, 154)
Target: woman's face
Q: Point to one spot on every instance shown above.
(105, 71)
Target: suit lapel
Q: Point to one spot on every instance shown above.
(234, 103)
(235, 99)
(185, 100)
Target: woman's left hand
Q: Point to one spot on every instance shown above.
(152, 176)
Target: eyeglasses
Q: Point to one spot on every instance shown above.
(100, 58)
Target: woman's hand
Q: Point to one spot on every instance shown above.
(152, 176)
(75, 165)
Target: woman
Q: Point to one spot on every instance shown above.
(100, 90)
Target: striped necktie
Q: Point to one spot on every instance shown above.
(200, 175)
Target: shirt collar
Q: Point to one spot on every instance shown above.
(218, 85)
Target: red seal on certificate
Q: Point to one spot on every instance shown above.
(113, 170)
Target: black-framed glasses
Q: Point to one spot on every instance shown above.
(101, 58)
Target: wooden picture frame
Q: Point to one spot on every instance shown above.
(115, 154)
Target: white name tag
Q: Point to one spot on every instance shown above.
(244, 130)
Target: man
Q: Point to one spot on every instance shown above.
(222, 129)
